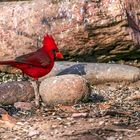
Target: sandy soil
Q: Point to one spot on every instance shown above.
(112, 113)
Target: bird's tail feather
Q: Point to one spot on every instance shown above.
(7, 62)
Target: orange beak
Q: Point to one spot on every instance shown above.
(59, 55)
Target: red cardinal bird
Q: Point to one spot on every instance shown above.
(39, 63)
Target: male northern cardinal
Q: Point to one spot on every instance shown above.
(38, 63)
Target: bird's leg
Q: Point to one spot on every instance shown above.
(35, 85)
(24, 78)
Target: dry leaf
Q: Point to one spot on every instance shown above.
(7, 121)
(79, 115)
(8, 118)
(68, 109)
(104, 106)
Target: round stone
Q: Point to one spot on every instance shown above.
(65, 89)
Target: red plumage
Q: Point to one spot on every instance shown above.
(38, 63)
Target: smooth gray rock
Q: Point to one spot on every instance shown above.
(97, 72)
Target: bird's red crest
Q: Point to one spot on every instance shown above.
(50, 46)
(49, 43)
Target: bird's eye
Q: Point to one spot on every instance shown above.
(53, 51)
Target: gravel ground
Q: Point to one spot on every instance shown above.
(112, 113)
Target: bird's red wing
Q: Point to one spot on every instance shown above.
(37, 59)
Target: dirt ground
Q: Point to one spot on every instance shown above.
(112, 113)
